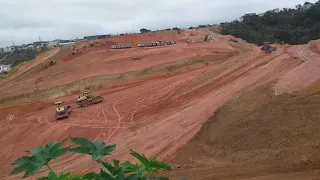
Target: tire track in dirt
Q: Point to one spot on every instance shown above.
(119, 120)
(131, 119)
(111, 58)
(133, 104)
(105, 121)
(44, 119)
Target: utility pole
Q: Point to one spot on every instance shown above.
(39, 38)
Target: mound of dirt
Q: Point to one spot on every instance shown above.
(315, 46)
(256, 134)
(301, 76)
(163, 99)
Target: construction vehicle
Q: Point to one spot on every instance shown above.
(208, 38)
(156, 43)
(50, 63)
(191, 41)
(87, 98)
(62, 111)
(135, 58)
(171, 42)
(159, 43)
(188, 40)
(233, 40)
(267, 48)
(124, 46)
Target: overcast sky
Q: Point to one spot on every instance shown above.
(26, 20)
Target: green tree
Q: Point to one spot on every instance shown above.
(39, 157)
(291, 26)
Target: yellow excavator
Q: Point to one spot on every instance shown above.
(87, 98)
(62, 110)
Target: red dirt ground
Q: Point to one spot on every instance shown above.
(163, 113)
(255, 134)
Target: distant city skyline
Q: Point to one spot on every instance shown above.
(25, 21)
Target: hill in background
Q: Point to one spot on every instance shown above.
(292, 26)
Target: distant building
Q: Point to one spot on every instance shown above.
(307, 6)
(274, 11)
(304, 7)
(30, 46)
(57, 40)
(52, 43)
(8, 49)
(246, 15)
(66, 43)
(4, 68)
(22, 47)
(250, 14)
(40, 43)
(261, 14)
(97, 37)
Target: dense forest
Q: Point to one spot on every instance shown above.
(292, 26)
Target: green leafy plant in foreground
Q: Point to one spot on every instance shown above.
(39, 157)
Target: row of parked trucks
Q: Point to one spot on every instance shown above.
(156, 43)
(124, 46)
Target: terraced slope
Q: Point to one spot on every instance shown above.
(155, 114)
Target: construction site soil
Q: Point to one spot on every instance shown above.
(158, 105)
(256, 134)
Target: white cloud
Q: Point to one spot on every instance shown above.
(25, 20)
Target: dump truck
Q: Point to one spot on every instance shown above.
(62, 110)
(171, 42)
(159, 43)
(87, 98)
(124, 46)
(134, 58)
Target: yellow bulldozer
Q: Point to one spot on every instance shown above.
(87, 98)
(62, 110)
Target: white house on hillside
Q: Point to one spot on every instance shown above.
(304, 7)
(4, 68)
(52, 43)
(8, 49)
(249, 14)
(307, 6)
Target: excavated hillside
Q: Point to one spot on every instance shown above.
(255, 134)
(101, 61)
(163, 100)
